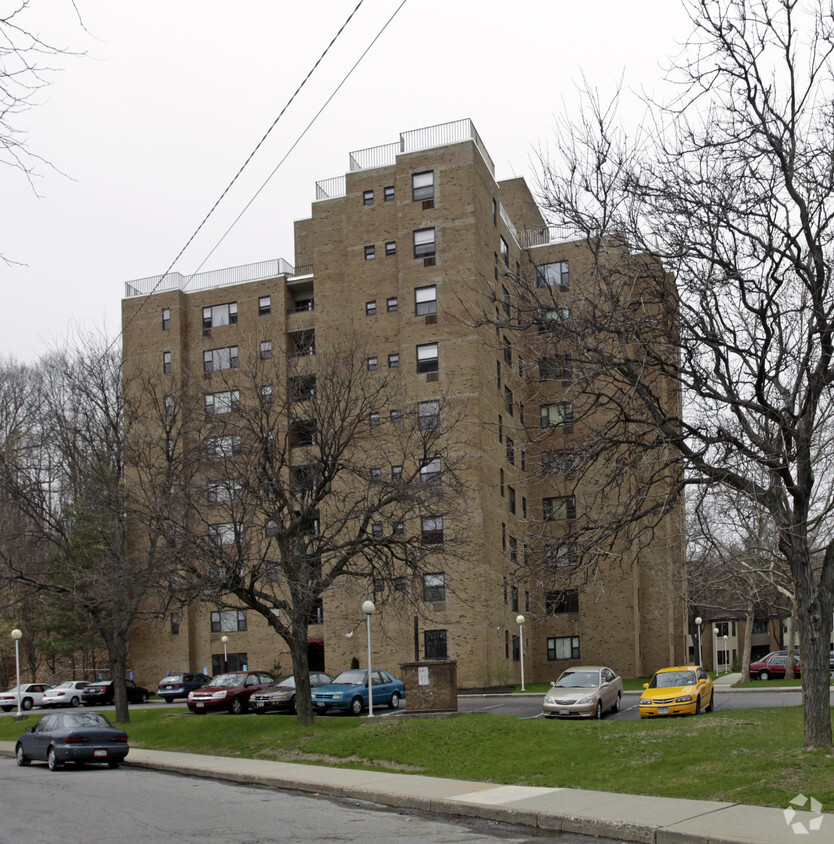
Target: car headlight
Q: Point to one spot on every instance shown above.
(645, 701)
(684, 699)
(191, 695)
(219, 694)
(586, 699)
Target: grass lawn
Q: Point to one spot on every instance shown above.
(751, 756)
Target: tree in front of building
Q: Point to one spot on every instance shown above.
(307, 471)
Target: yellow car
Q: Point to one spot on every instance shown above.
(681, 690)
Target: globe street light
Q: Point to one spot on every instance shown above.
(17, 635)
(726, 654)
(698, 622)
(715, 632)
(520, 622)
(225, 641)
(369, 609)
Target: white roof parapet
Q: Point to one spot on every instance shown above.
(545, 235)
(210, 279)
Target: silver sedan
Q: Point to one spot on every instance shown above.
(587, 691)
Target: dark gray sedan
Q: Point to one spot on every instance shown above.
(78, 737)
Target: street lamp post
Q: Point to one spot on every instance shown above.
(715, 632)
(17, 635)
(225, 641)
(520, 622)
(698, 622)
(369, 609)
(726, 654)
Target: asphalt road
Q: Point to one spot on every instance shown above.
(97, 804)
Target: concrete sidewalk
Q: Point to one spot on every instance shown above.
(625, 817)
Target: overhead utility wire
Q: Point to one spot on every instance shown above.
(242, 168)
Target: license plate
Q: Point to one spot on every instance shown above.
(259, 703)
(564, 711)
(662, 710)
(100, 753)
(200, 705)
(321, 705)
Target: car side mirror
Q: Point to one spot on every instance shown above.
(552, 683)
(701, 681)
(645, 685)
(30, 729)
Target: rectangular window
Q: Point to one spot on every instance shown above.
(266, 349)
(223, 534)
(372, 364)
(302, 387)
(558, 508)
(516, 649)
(559, 556)
(215, 360)
(566, 601)
(513, 551)
(218, 315)
(427, 358)
(396, 473)
(424, 245)
(396, 417)
(558, 462)
(555, 368)
(370, 253)
(508, 352)
(559, 415)
(391, 305)
(166, 363)
(370, 308)
(228, 621)
(376, 531)
(224, 402)
(425, 300)
(556, 274)
(388, 193)
(223, 447)
(422, 186)
(432, 530)
(316, 612)
(505, 298)
(302, 343)
(368, 197)
(550, 319)
(375, 474)
(390, 248)
(166, 319)
(397, 530)
(434, 644)
(510, 451)
(514, 599)
(169, 405)
(302, 432)
(264, 305)
(175, 623)
(221, 491)
(508, 401)
(374, 419)
(562, 647)
(428, 415)
(434, 587)
(430, 472)
(511, 499)
(393, 361)
(505, 252)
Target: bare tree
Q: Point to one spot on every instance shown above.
(732, 195)
(63, 477)
(298, 481)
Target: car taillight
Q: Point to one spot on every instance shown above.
(119, 738)
(76, 739)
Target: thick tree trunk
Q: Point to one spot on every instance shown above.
(790, 643)
(117, 658)
(814, 616)
(301, 672)
(748, 640)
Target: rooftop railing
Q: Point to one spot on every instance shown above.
(549, 234)
(415, 140)
(210, 279)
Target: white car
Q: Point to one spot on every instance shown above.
(31, 694)
(64, 694)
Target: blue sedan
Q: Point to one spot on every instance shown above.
(349, 692)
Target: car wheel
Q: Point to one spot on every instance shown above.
(764, 675)
(113, 764)
(168, 699)
(52, 760)
(598, 713)
(238, 706)
(617, 703)
(356, 706)
(394, 702)
(698, 705)
(709, 706)
(8, 708)
(22, 759)
(74, 702)
(26, 703)
(143, 698)
(293, 709)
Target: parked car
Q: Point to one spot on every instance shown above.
(100, 693)
(64, 694)
(349, 692)
(31, 694)
(280, 697)
(179, 685)
(78, 737)
(587, 691)
(229, 691)
(774, 666)
(681, 690)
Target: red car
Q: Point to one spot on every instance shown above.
(773, 666)
(229, 691)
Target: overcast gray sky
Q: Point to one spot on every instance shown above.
(172, 97)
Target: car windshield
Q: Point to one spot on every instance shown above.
(351, 678)
(578, 680)
(288, 682)
(67, 685)
(228, 680)
(669, 679)
(84, 719)
(173, 678)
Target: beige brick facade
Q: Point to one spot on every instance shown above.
(629, 617)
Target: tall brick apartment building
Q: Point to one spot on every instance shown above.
(415, 251)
